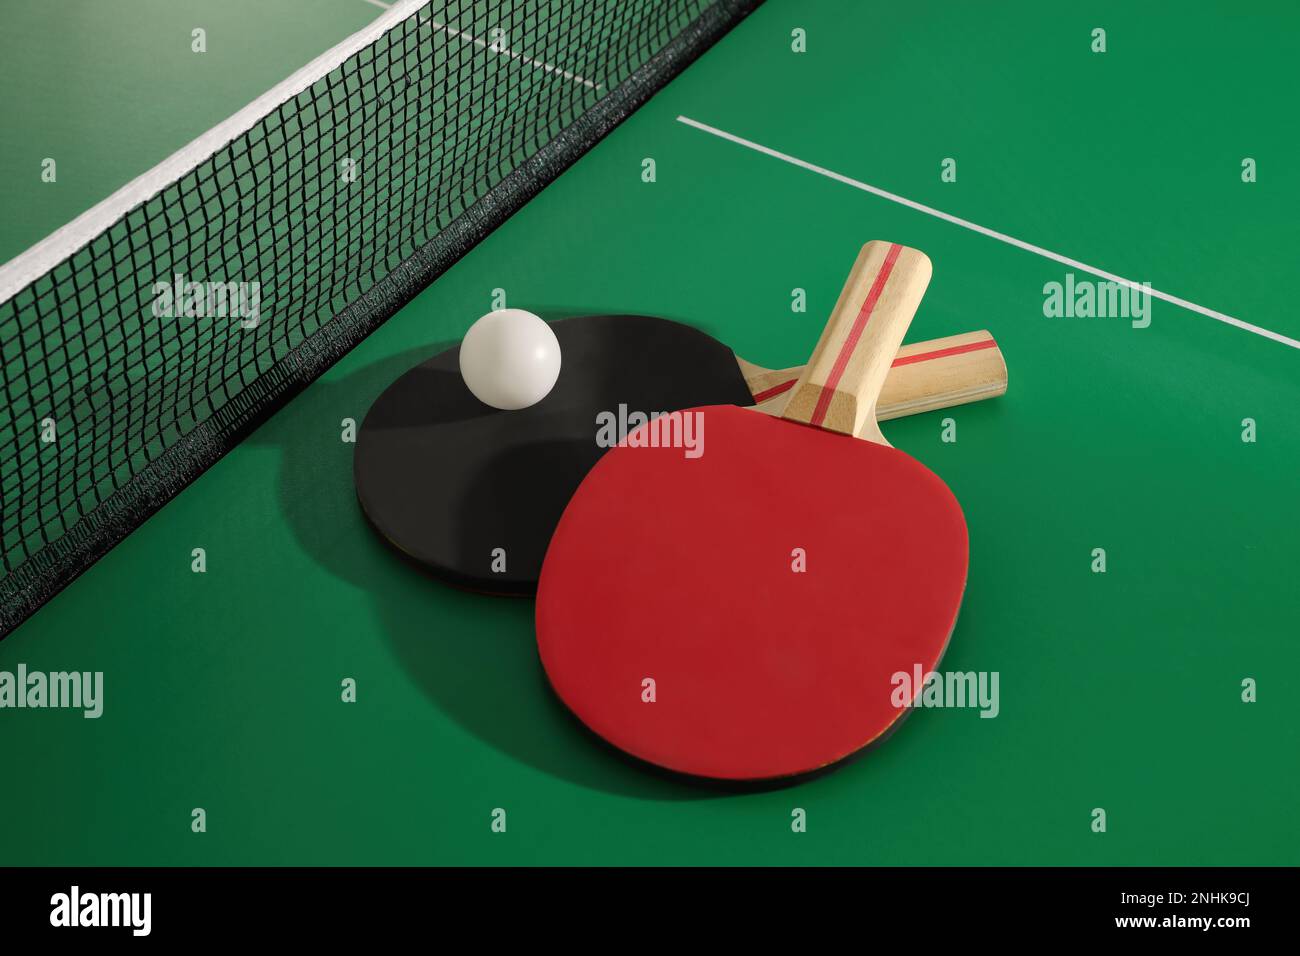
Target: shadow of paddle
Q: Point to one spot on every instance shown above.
(472, 655)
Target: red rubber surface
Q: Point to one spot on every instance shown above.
(679, 570)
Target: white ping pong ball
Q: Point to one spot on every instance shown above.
(510, 359)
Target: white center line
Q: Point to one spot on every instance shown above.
(498, 48)
(985, 231)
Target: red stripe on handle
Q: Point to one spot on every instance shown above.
(943, 353)
(855, 336)
(784, 387)
(774, 391)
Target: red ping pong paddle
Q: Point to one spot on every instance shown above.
(743, 614)
(473, 493)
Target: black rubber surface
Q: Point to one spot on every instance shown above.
(66, 551)
(446, 480)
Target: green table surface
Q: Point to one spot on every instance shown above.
(1120, 691)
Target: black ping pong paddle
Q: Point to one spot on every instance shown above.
(473, 494)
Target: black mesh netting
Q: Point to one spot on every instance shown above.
(291, 243)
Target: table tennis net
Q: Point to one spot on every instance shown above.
(146, 338)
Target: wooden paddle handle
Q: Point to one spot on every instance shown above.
(940, 374)
(925, 376)
(841, 384)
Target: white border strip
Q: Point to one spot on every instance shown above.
(64, 242)
(991, 233)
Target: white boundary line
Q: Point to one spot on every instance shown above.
(990, 233)
(502, 50)
(19, 272)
